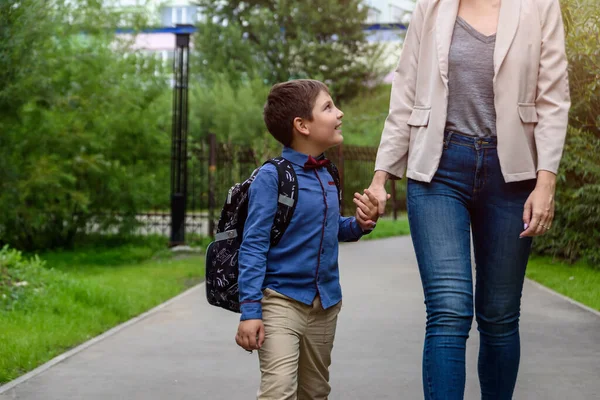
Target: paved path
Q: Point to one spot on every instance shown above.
(186, 349)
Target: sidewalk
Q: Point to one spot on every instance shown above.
(186, 350)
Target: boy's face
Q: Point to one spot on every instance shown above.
(325, 129)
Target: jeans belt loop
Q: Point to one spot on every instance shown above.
(447, 142)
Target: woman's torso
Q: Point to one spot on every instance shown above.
(470, 82)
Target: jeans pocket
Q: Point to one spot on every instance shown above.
(275, 309)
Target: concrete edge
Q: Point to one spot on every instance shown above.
(62, 357)
(562, 296)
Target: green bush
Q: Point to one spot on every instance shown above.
(582, 25)
(83, 128)
(365, 115)
(576, 228)
(234, 112)
(19, 278)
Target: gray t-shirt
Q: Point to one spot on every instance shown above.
(470, 82)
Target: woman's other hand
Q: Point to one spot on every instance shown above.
(538, 212)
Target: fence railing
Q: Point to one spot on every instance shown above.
(213, 167)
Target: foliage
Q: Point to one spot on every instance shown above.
(80, 121)
(18, 276)
(582, 25)
(221, 53)
(576, 231)
(233, 113)
(278, 40)
(576, 227)
(365, 115)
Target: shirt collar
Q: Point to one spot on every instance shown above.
(295, 157)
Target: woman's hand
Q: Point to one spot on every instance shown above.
(367, 210)
(377, 189)
(538, 212)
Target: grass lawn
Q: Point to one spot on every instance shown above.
(388, 227)
(580, 282)
(80, 294)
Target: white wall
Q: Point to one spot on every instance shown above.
(392, 10)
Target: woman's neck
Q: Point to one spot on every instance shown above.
(482, 3)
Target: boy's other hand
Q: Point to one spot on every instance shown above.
(367, 209)
(251, 334)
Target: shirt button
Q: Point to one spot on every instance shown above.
(322, 251)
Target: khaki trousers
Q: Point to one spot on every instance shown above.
(296, 354)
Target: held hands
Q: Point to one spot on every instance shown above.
(377, 188)
(251, 334)
(367, 209)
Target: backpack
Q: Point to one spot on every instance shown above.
(222, 268)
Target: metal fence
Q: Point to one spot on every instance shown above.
(213, 167)
(356, 165)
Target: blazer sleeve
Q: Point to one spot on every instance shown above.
(392, 155)
(552, 99)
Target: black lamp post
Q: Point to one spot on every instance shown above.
(179, 134)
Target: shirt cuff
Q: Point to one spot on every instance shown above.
(251, 310)
(357, 230)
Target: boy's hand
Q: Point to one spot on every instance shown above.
(367, 210)
(251, 334)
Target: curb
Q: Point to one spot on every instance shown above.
(58, 359)
(562, 296)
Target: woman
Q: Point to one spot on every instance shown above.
(478, 117)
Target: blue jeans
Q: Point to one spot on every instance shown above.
(468, 193)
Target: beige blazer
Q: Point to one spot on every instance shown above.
(530, 85)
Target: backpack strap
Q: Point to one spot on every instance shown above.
(335, 174)
(288, 197)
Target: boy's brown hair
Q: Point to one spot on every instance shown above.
(288, 100)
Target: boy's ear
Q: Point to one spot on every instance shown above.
(300, 126)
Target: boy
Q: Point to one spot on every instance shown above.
(290, 294)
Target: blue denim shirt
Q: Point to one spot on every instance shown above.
(305, 261)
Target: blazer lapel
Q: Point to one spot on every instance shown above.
(446, 18)
(508, 22)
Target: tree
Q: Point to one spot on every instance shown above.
(582, 26)
(82, 127)
(278, 40)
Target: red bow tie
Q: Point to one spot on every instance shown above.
(312, 163)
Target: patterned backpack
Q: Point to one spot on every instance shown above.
(222, 269)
